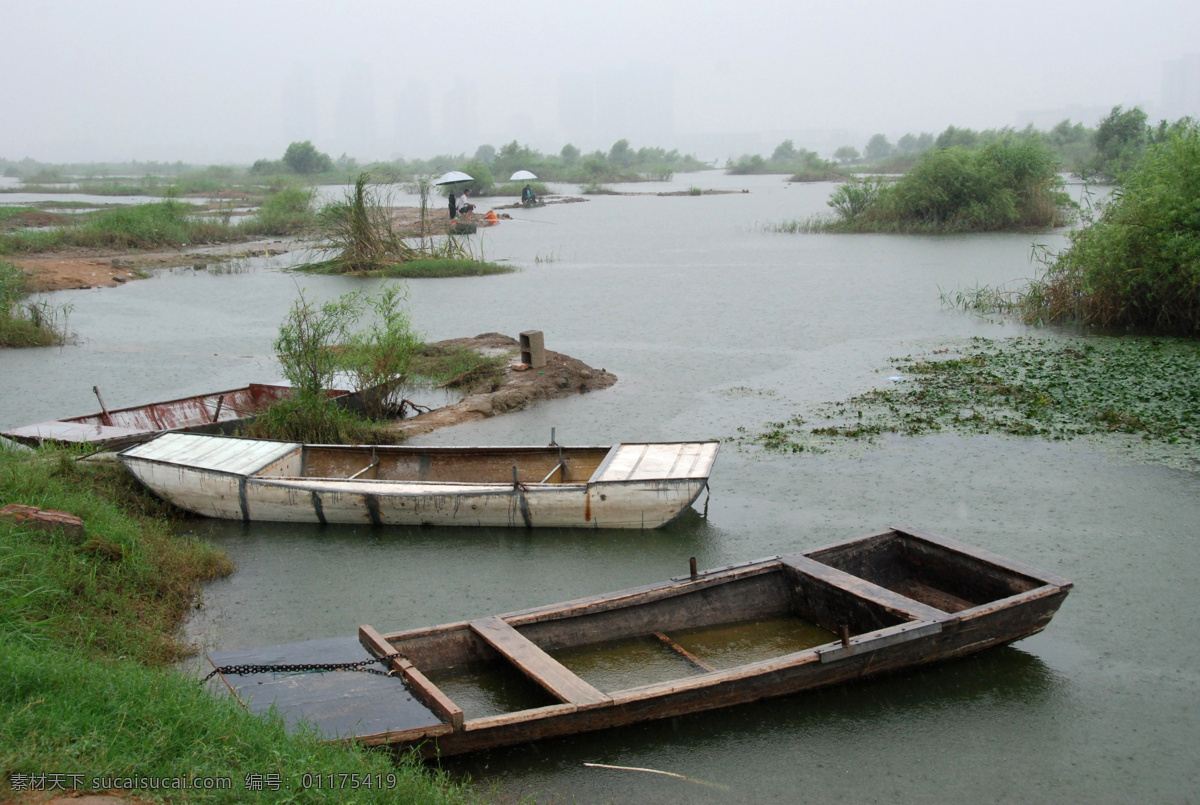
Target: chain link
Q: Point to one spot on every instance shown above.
(360, 667)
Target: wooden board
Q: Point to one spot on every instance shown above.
(657, 462)
(535, 663)
(213, 453)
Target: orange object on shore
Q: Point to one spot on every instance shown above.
(491, 216)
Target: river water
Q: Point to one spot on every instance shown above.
(714, 325)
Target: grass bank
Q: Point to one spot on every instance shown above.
(164, 224)
(1053, 389)
(87, 633)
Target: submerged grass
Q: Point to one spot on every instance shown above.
(25, 323)
(417, 269)
(87, 631)
(1053, 389)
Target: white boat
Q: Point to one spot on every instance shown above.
(630, 485)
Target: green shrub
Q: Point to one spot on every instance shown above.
(1008, 184)
(1138, 265)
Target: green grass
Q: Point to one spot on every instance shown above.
(87, 633)
(140, 226)
(287, 211)
(7, 212)
(459, 367)
(300, 419)
(1052, 389)
(25, 323)
(64, 711)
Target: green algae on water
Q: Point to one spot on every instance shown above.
(1055, 389)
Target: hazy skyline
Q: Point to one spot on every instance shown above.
(228, 82)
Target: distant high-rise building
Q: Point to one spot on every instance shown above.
(1181, 87)
(357, 132)
(636, 103)
(414, 122)
(460, 118)
(299, 112)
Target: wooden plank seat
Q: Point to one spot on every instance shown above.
(535, 663)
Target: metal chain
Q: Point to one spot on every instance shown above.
(242, 670)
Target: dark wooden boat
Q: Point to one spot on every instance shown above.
(218, 412)
(861, 608)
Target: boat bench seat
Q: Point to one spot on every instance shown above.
(535, 663)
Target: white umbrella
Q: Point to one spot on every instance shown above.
(521, 176)
(454, 177)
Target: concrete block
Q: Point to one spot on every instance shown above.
(533, 348)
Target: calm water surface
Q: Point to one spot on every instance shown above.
(712, 325)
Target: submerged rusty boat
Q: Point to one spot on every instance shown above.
(216, 412)
(638, 485)
(868, 606)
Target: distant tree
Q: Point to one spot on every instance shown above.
(265, 167)
(784, 152)
(484, 181)
(620, 154)
(346, 163)
(1064, 133)
(909, 145)
(955, 136)
(304, 158)
(514, 157)
(847, 153)
(878, 148)
(1120, 140)
(570, 154)
(485, 154)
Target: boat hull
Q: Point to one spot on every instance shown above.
(626, 486)
(888, 602)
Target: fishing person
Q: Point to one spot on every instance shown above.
(466, 207)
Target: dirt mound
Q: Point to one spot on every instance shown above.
(562, 376)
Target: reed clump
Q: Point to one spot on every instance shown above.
(362, 235)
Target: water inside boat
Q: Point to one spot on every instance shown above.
(485, 689)
(647, 659)
(480, 465)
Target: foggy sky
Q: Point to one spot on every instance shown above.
(231, 82)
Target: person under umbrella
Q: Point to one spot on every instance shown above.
(453, 206)
(465, 207)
